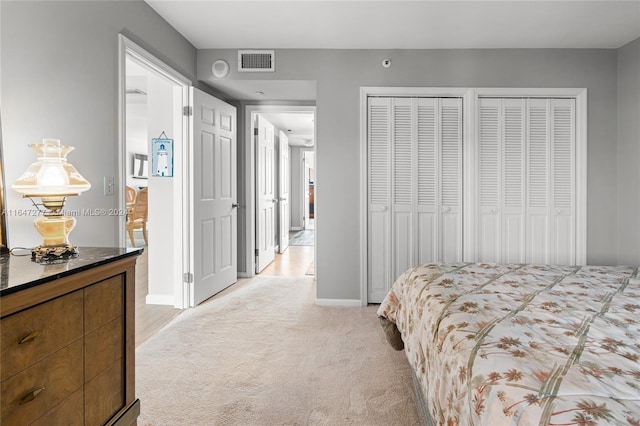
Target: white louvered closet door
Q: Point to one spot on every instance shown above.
(379, 202)
(501, 181)
(415, 186)
(526, 181)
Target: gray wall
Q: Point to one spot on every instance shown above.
(60, 79)
(339, 74)
(629, 154)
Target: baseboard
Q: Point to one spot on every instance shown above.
(343, 303)
(159, 299)
(244, 275)
(295, 228)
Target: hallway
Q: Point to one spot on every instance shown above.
(296, 261)
(305, 237)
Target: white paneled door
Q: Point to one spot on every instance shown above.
(284, 183)
(266, 202)
(415, 186)
(214, 237)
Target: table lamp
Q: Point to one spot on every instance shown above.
(52, 179)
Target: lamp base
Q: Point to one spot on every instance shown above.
(53, 254)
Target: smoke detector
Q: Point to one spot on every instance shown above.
(220, 68)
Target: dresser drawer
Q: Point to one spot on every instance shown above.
(104, 394)
(104, 301)
(56, 376)
(69, 412)
(103, 347)
(28, 336)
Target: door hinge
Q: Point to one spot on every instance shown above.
(187, 277)
(257, 252)
(255, 131)
(187, 111)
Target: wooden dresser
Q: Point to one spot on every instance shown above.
(67, 340)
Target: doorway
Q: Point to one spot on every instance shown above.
(152, 100)
(293, 130)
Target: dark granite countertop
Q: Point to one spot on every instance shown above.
(20, 272)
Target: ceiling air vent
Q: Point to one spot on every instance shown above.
(256, 61)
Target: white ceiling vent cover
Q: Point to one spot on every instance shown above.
(256, 61)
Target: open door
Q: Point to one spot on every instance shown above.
(265, 217)
(214, 186)
(285, 182)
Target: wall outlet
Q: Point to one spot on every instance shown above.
(108, 185)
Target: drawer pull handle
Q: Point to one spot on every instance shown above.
(29, 337)
(30, 396)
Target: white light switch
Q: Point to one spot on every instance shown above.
(108, 185)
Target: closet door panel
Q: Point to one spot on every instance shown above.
(428, 154)
(538, 247)
(513, 247)
(428, 237)
(379, 217)
(563, 181)
(451, 236)
(489, 250)
(379, 254)
(538, 182)
(562, 243)
(490, 148)
(403, 184)
(451, 179)
(403, 242)
(513, 181)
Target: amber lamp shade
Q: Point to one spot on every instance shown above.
(52, 179)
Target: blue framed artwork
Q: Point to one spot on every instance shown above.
(162, 157)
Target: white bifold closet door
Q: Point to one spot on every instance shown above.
(526, 187)
(415, 186)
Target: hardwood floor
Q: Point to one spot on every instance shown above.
(296, 261)
(149, 318)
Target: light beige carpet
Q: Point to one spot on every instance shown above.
(265, 354)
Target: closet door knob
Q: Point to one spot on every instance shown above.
(235, 205)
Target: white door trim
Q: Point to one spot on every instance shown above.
(250, 176)
(128, 48)
(470, 99)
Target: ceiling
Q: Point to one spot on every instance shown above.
(391, 24)
(299, 127)
(396, 24)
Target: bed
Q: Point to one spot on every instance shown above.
(501, 344)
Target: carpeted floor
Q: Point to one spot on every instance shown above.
(265, 354)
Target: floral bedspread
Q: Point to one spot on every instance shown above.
(495, 344)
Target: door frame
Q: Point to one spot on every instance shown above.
(470, 136)
(250, 176)
(129, 49)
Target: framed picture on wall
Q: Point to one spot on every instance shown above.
(162, 157)
(140, 166)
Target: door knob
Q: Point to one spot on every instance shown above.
(235, 205)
